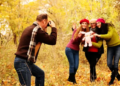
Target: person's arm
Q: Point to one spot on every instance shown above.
(78, 38)
(98, 44)
(73, 27)
(108, 35)
(43, 37)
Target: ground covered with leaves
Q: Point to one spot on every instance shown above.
(53, 61)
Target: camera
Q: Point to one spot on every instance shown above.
(49, 23)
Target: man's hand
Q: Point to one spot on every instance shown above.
(52, 24)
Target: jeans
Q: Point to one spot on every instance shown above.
(73, 58)
(92, 58)
(113, 53)
(25, 70)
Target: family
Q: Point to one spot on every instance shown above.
(91, 37)
(100, 31)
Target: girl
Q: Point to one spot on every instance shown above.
(94, 53)
(113, 46)
(72, 49)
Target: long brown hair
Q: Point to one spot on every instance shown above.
(78, 30)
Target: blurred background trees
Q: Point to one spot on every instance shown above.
(16, 15)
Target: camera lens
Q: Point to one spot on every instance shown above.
(48, 24)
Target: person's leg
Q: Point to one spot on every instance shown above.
(93, 64)
(116, 61)
(89, 58)
(96, 57)
(92, 57)
(76, 63)
(23, 71)
(69, 54)
(39, 75)
(110, 55)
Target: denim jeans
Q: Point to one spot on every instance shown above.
(73, 58)
(113, 53)
(25, 70)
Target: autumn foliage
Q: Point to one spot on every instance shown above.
(16, 15)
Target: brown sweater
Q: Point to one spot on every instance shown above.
(41, 36)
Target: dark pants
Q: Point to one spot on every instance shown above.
(113, 54)
(25, 70)
(92, 58)
(73, 58)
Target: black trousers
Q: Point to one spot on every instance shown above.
(92, 58)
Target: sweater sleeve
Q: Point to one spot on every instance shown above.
(98, 44)
(108, 35)
(77, 40)
(43, 37)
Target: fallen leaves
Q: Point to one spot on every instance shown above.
(5, 82)
(56, 71)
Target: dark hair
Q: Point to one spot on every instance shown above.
(104, 28)
(41, 17)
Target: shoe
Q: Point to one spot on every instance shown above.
(72, 78)
(117, 74)
(118, 77)
(112, 78)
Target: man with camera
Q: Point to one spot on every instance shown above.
(28, 49)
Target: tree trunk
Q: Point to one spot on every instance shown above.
(15, 39)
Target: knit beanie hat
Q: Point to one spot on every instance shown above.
(84, 20)
(93, 20)
(101, 20)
